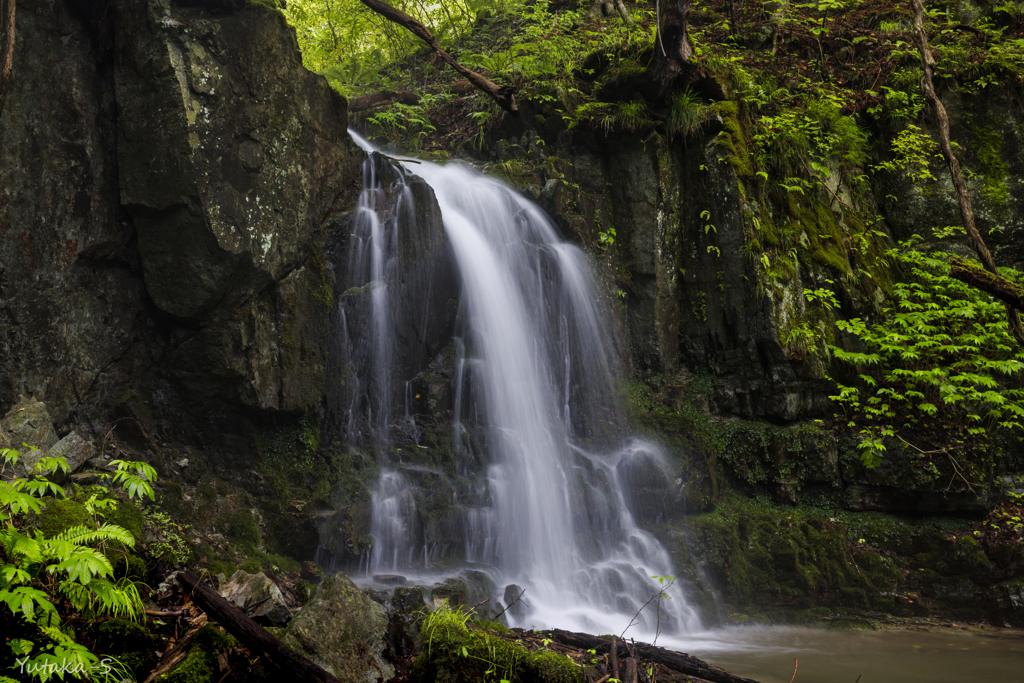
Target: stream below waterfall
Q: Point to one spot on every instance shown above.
(766, 653)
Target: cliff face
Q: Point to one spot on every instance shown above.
(165, 174)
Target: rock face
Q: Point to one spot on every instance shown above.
(67, 314)
(163, 189)
(342, 630)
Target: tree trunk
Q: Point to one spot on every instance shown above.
(504, 96)
(673, 52)
(8, 54)
(966, 211)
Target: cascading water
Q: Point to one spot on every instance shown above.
(536, 382)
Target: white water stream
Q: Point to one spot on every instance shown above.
(537, 375)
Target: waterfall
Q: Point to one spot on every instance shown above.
(537, 377)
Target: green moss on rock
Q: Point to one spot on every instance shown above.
(61, 514)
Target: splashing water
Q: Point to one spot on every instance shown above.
(537, 379)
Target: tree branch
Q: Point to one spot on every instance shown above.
(503, 95)
(966, 211)
(998, 286)
(8, 63)
(383, 97)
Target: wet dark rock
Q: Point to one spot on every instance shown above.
(454, 591)
(342, 630)
(259, 596)
(512, 595)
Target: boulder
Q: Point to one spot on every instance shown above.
(344, 631)
(74, 449)
(258, 593)
(28, 423)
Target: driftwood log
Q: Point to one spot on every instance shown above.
(676, 661)
(979, 278)
(291, 666)
(503, 95)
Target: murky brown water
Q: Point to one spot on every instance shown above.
(841, 656)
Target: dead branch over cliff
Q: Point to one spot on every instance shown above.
(966, 211)
(378, 99)
(8, 63)
(503, 95)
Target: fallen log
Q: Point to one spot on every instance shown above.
(979, 278)
(503, 95)
(292, 667)
(676, 661)
(377, 99)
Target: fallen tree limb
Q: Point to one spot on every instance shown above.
(175, 655)
(503, 95)
(998, 286)
(676, 661)
(8, 56)
(291, 666)
(966, 211)
(383, 97)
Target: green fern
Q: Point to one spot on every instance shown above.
(43, 580)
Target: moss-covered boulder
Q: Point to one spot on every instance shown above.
(201, 664)
(132, 644)
(60, 514)
(455, 651)
(342, 630)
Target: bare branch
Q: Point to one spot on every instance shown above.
(503, 95)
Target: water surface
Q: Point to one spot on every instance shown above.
(766, 653)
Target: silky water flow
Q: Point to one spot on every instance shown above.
(536, 381)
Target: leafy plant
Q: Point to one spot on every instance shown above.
(45, 580)
(940, 372)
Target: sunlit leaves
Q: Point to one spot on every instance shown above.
(940, 367)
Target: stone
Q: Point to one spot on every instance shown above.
(512, 594)
(74, 449)
(246, 591)
(28, 423)
(343, 631)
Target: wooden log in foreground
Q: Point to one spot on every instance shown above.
(979, 278)
(292, 667)
(677, 661)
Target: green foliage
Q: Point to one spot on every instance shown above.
(170, 544)
(913, 150)
(940, 371)
(45, 579)
(687, 113)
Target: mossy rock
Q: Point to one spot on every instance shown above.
(200, 666)
(61, 514)
(456, 653)
(130, 643)
(242, 528)
(342, 630)
(129, 515)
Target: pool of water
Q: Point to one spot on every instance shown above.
(766, 653)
